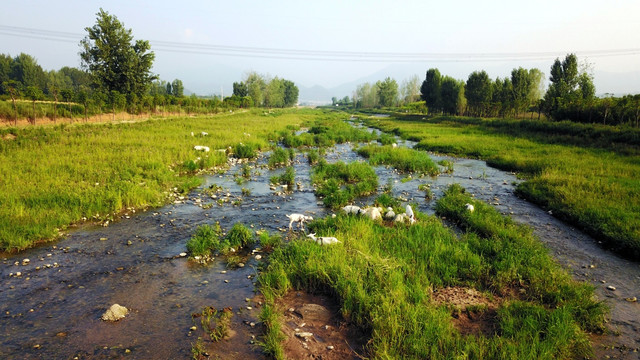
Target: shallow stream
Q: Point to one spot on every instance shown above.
(53, 309)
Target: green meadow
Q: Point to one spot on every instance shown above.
(53, 177)
(386, 279)
(588, 175)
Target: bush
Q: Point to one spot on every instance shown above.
(279, 157)
(239, 236)
(286, 178)
(245, 151)
(205, 239)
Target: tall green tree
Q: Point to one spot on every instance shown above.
(478, 91)
(430, 90)
(256, 87)
(291, 93)
(113, 60)
(387, 92)
(177, 88)
(569, 89)
(240, 89)
(452, 96)
(410, 90)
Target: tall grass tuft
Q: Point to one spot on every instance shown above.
(403, 159)
(204, 240)
(341, 183)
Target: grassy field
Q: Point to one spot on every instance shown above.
(595, 185)
(56, 176)
(387, 278)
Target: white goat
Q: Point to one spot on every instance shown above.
(352, 209)
(469, 207)
(201, 148)
(409, 212)
(323, 240)
(299, 218)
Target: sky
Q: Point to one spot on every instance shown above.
(343, 41)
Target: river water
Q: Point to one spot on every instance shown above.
(53, 309)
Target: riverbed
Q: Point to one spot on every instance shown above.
(53, 308)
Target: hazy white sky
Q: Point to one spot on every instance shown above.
(435, 27)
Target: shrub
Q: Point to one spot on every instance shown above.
(239, 236)
(245, 151)
(205, 239)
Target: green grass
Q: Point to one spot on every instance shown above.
(328, 129)
(288, 177)
(594, 186)
(383, 278)
(403, 159)
(55, 176)
(339, 184)
(279, 157)
(204, 240)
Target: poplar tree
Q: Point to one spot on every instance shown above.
(115, 62)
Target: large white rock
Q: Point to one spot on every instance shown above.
(115, 313)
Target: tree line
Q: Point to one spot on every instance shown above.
(569, 96)
(116, 76)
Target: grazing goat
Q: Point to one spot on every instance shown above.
(469, 207)
(201, 148)
(409, 212)
(352, 209)
(323, 240)
(299, 218)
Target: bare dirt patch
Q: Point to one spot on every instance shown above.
(314, 329)
(473, 313)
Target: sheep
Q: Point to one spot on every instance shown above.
(352, 209)
(204, 133)
(373, 213)
(469, 207)
(409, 212)
(299, 218)
(323, 240)
(201, 148)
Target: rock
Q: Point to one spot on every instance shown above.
(330, 347)
(632, 299)
(612, 288)
(304, 335)
(313, 312)
(193, 328)
(115, 313)
(258, 257)
(182, 254)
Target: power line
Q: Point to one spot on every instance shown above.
(319, 55)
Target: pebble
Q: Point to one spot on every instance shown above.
(226, 281)
(304, 335)
(612, 288)
(632, 299)
(193, 328)
(182, 254)
(330, 347)
(258, 257)
(252, 324)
